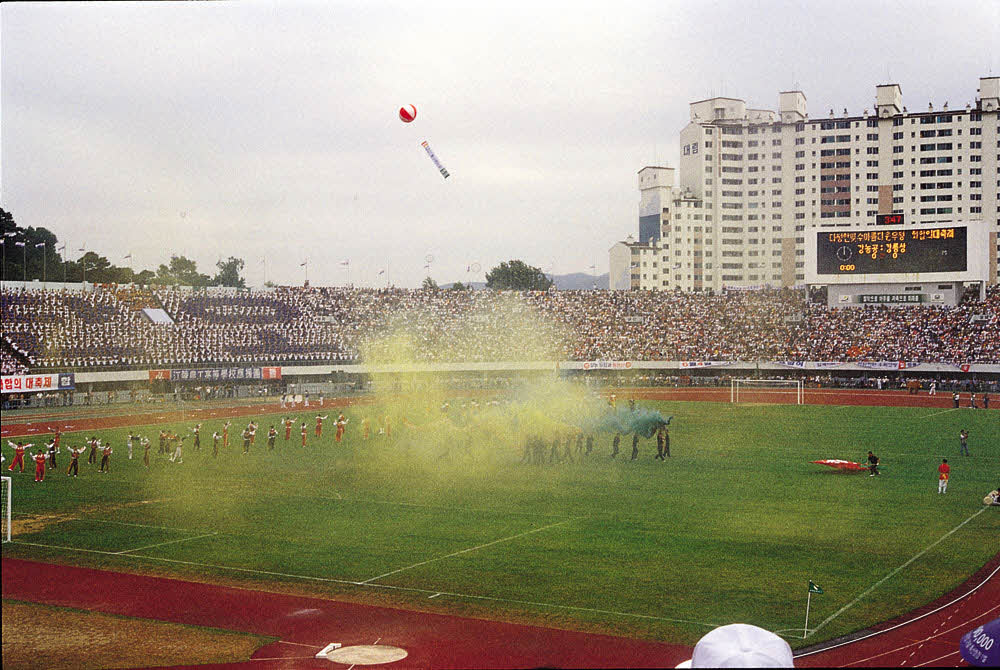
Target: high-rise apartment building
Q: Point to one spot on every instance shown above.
(751, 181)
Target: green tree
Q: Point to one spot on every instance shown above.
(517, 275)
(230, 273)
(429, 284)
(181, 272)
(459, 286)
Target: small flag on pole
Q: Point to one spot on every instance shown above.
(814, 588)
(381, 272)
(345, 262)
(127, 256)
(19, 244)
(303, 264)
(40, 245)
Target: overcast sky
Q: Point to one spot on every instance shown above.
(270, 129)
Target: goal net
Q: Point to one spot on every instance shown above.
(5, 494)
(789, 391)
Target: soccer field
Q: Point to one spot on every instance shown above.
(730, 528)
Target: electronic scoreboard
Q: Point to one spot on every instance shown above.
(880, 251)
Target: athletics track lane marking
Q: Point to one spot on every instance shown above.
(894, 572)
(465, 551)
(408, 589)
(919, 643)
(160, 544)
(904, 623)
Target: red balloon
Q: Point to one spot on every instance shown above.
(407, 113)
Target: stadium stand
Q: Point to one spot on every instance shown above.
(106, 329)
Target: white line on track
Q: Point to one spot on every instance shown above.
(894, 572)
(161, 544)
(408, 589)
(905, 623)
(934, 662)
(299, 644)
(918, 643)
(465, 551)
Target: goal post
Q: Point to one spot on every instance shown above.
(767, 390)
(5, 493)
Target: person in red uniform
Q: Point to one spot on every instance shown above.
(365, 427)
(305, 431)
(253, 433)
(39, 465)
(105, 459)
(341, 426)
(319, 425)
(56, 438)
(289, 422)
(944, 470)
(74, 461)
(225, 435)
(19, 450)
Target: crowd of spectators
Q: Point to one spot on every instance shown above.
(106, 327)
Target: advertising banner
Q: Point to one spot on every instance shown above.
(37, 383)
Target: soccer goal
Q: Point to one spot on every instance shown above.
(788, 391)
(5, 493)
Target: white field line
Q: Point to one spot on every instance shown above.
(408, 589)
(945, 411)
(909, 621)
(465, 551)
(935, 662)
(894, 572)
(161, 544)
(137, 525)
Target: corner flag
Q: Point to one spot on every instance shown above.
(814, 588)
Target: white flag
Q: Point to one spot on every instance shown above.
(19, 244)
(40, 244)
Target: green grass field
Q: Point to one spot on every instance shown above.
(731, 528)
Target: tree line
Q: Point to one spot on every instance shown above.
(31, 254)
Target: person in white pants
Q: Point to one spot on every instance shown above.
(943, 471)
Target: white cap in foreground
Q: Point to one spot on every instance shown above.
(740, 645)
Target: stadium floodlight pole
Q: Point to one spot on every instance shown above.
(62, 257)
(24, 261)
(44, 273)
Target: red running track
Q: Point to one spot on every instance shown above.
(305, 625)
(926, 637)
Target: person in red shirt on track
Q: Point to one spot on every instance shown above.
(944, 470)
(39, 465)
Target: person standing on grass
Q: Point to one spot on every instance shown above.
(105, 459)
(319, 425)
(365, 428)
(225, 434)
(289, 422)
(197, 436)
(272, 434)
(615, 443)
(304, 431)
(51, 447)
(872, 464)
(145, 443)
(94, 444)
(74, 461)
(963, 441)
(39, 465)
(341, 427)
(943, 471)
(19, 450)
(131, 438)
(246, 440)
(635, 445)
(216, 436)
(163, 443)
(178, 456)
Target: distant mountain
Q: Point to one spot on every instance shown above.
(577, 281)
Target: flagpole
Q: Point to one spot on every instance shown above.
(805, 629)
(44, 273)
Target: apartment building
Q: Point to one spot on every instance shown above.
(752, 181)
